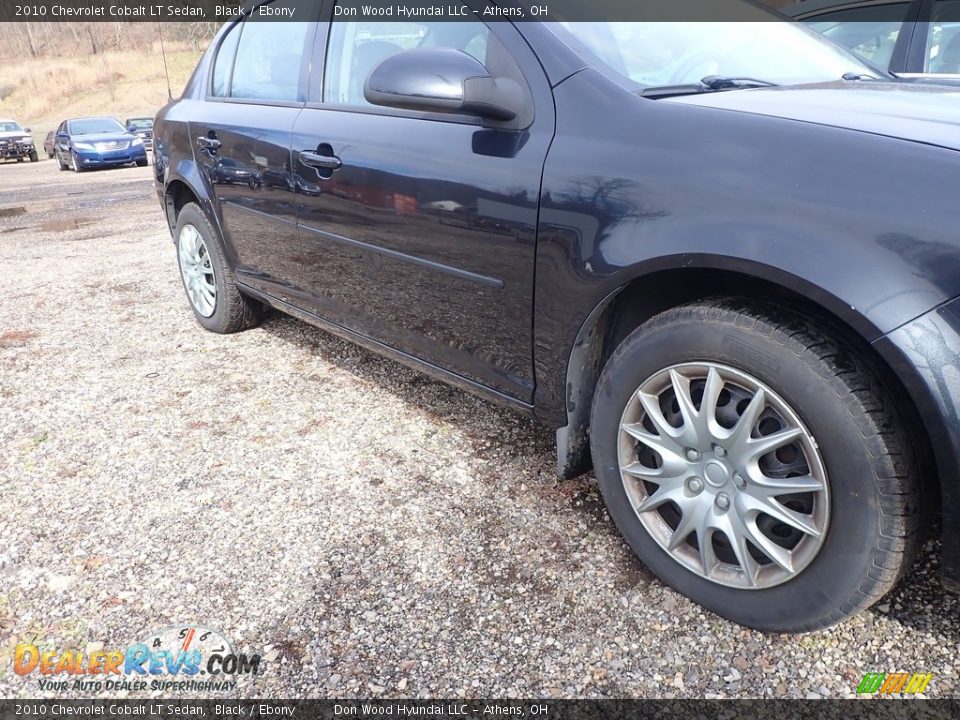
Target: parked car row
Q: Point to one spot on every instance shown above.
(82, 143)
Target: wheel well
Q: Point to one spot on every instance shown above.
(647, 296)
(178, 194)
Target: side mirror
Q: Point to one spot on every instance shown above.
(26, 129)
(131, 129)
(442, 80)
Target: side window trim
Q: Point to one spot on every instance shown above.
(914, 56)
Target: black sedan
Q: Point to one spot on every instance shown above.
(723, 264)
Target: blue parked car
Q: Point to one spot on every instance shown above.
(84, 143)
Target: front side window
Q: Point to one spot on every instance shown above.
(871, 31)
(356, 48)
(943, 43)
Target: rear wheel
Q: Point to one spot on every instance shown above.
(756, 465)
(207, 278)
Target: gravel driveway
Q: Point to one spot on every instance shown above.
(370, 531)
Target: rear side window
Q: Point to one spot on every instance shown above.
(262, 58)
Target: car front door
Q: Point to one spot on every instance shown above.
(421, 233)
(242, 139)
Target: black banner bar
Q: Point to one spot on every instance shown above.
(406, 10)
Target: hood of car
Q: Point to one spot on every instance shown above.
(14, 135)
(917, 112)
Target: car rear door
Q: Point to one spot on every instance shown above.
(424, 236)
(241, 137)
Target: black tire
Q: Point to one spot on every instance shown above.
(142, 163)
(61, 165)
(74, 163)
(873, 532)
(33, 156)
(233, 311)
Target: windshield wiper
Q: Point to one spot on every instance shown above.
(850, 76)
(718, 82)
(711, 83)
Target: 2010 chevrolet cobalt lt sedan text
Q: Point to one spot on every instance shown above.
(722, 260)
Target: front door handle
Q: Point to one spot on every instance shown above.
(326, 162)
(208, 143)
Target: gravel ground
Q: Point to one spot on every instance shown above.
(370, 531)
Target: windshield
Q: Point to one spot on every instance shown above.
(10, 126)
(677, 53)
(140, 123)
(89, 126)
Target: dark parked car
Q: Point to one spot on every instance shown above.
(914, 39)
(48, 142)
(725, 274)
(84, 143)
(142, 127)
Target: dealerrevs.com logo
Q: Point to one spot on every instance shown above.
(189, 658)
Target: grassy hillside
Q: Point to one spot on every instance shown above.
(43, 92)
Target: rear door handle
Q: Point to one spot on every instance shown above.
(208, 143)
(327, 162)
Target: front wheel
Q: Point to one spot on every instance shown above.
(756, 465)
(75, 163)
(33, 156)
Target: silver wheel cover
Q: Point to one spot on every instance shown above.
(196, 268)
(723, 475)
